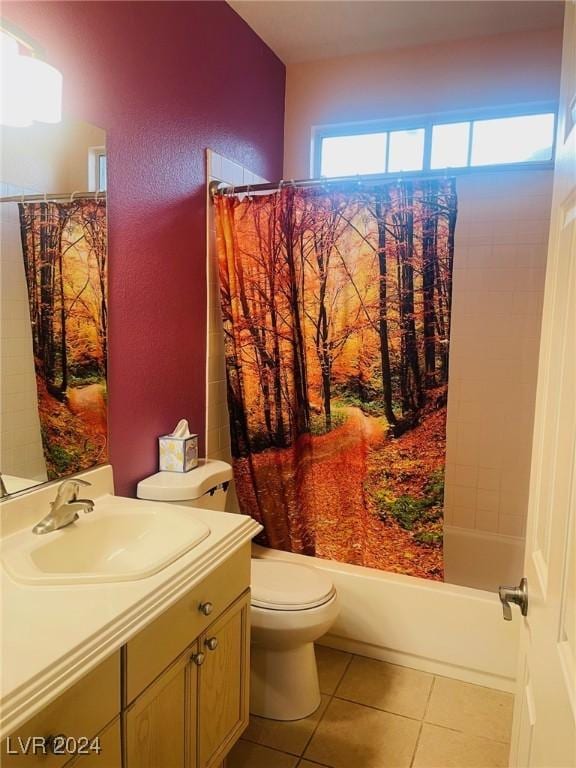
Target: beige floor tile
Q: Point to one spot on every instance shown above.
(244, 754)
(386, 686)
(441, 748)
(471, 708)
(291, 736)
(353, 736)
(331, 666)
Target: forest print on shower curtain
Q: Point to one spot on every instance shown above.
(336, 308)
(64, 246)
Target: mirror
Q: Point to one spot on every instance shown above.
(53, 316)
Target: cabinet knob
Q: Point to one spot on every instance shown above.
(206, 608)
(198, 658)
(211, 643)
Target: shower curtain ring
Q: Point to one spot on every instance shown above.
(72, 195)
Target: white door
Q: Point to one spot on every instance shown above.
(544, 732)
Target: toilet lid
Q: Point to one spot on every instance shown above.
(282, 586)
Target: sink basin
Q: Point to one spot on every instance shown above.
(121, 540)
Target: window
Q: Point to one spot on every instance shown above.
(523, 139)
(97, 169)
(347, 155)
(406, 150)
(450, 145)
(437, 145)
(102, 166)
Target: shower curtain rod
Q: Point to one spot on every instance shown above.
(363, 181)
(48, 198)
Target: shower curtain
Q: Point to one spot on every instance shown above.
(336, 310)
(64, 246)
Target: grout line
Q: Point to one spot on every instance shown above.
(429, 698)
(465, 682)
(422, 721)
(330, 699)
(417, 743)
(272, 749)
(467, 733)
(379, 709)
(343, 675)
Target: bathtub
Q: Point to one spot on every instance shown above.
(439, 628)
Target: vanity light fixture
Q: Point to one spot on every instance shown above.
(31, 89)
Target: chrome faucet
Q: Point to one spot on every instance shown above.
(65, 507)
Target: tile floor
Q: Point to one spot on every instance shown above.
(378, 715)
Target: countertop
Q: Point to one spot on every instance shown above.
(52, 636)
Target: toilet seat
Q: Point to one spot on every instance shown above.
(281, 586)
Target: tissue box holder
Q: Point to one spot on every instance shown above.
(178, 454)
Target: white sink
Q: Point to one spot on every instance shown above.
(121, 540)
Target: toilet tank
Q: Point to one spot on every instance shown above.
(208, 486)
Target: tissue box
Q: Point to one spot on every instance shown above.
(178, 454)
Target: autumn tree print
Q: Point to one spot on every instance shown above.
(336, 310)
(64, 247)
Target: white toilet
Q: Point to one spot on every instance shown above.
(292, 604)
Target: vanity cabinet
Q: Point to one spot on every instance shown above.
(197, 708)
(186, 675)
(87, 711)
(174, 696)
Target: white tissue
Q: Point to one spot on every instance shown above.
(181, 429)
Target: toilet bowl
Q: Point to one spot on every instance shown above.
(292, 605)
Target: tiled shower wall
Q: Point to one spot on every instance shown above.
(217, 423)
(499, 267)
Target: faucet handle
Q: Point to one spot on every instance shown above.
(68, 491)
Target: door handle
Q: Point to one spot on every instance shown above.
(518, 595)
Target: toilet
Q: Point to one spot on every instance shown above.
(292, 605)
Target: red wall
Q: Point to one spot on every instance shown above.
(166, 80)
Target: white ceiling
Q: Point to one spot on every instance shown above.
(303, 30)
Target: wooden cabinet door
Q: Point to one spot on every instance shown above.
(81, 711)
(109, 754)
(223, 683)
(157, 724)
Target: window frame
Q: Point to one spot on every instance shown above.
(320, 132)
(94, 174)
